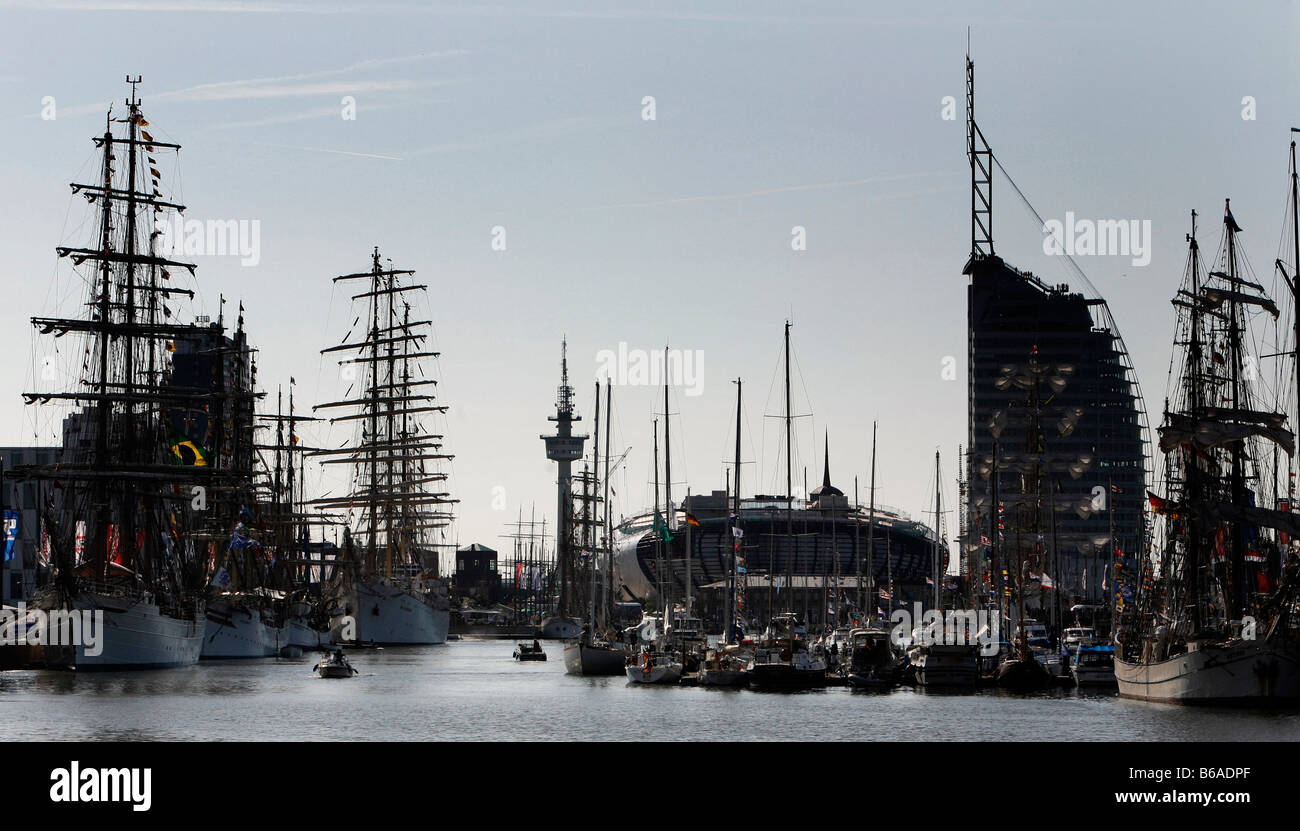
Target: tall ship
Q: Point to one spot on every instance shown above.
(262, 601)
(152, 457)
(243, 615)
(593, 652)
(1213, 618)
(386, 587)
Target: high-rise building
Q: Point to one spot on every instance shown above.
(1053, 398)
(1049, 382)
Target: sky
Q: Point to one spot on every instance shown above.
(507, 154)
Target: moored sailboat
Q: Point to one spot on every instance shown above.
(148, 406)
(386, 589)
(1216, 623)
(589, 654)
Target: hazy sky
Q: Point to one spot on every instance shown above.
(674, 231)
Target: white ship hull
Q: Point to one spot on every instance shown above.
(299, 633)
(135, 635)
(383, 612)
(239, 632)
(656, 674)
(1233, 672)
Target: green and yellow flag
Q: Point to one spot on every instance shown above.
(189, 452)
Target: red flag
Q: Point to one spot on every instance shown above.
(114, 545)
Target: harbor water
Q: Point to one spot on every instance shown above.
(473, 689)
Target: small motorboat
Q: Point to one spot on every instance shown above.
(334, 664)
(529, 652)
(722, 669)
(1093, 665)
(871, 664)
(654, 668)
(1022, 673)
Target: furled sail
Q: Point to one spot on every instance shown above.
(1211, 432)
(1212, 298)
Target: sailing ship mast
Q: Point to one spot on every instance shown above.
(130, 406)
(150, 432)
(389, 484)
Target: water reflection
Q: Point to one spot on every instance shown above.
(475, 690)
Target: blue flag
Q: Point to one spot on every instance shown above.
(11, 533)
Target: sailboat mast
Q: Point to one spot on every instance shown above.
(609, 531)
(591, 525)
(659, 544)
(1295, 282)
(938, 575)
(293, 432)
(390, 430)
(409, 520)
(730, 619)
(279, 444)
(668, 491)
(789, 483)
(127, 533)
(99, 489)
(687, 553)
(1192, 568)
(373, 376)
(857, 555)
(668, 464)
(871, 529)
(1238, 470)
